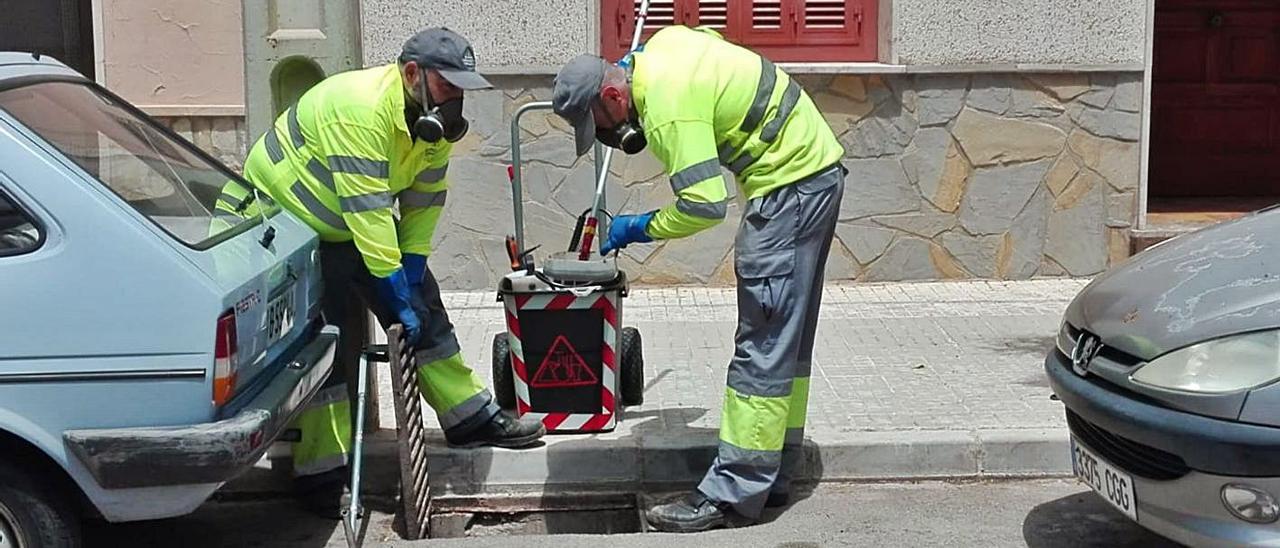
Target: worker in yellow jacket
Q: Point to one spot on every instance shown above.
(700, 103)
(355, 146)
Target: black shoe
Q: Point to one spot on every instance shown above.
(777, 500)
(324, 494)
(693, 514)
(503, 431)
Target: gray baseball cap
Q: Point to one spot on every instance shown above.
(447, 52)
(576, 87)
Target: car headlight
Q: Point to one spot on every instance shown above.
(1228, 364)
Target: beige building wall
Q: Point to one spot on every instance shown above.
(175, 57)
(181, 61)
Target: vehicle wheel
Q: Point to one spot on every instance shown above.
(632, 367)
(33, 513)
(504, 387)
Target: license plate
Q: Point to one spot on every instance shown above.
(280, 315)
(1113, 485)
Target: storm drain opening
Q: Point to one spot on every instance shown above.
(458, 517)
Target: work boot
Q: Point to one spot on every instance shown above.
(693, 514)
(503, 431)
(324, 494)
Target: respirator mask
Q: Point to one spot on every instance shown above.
(442, 121)
(625, 135)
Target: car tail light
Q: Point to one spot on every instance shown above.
(224, 359)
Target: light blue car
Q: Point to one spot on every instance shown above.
(152, 345)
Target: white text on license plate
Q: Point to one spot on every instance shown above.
(1106, 480)
(280, 315)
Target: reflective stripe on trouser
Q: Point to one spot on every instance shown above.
(779, 256)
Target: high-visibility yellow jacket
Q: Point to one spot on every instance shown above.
(343, 156)
(705, 102)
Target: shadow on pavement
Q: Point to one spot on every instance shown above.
(1083, 519)
(246, 524)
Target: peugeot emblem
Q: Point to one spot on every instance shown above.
(1086, 349)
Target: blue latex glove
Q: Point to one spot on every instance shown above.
(415, 268)
(627, 229)
(394, 293)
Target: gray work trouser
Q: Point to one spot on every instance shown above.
(779, 257)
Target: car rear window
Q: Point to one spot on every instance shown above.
(19, 233)
(194, 199)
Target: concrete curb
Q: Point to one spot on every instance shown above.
(630, 464)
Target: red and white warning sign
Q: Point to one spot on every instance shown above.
(563, 368)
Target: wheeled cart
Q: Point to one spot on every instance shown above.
(565, 357)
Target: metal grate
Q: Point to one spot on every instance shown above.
(411, 436)
(1133, 457)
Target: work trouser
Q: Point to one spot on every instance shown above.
(779, 257)
(453, 390)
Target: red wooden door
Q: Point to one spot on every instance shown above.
(1215, 125)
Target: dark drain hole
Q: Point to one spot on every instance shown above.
(492, 517)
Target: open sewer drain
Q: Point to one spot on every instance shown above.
(495, 516)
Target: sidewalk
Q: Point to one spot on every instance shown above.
(910, 380)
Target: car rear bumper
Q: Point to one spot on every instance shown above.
(210, 452)
(1135, 426)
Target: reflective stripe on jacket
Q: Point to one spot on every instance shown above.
(705, 102)
(343, 157)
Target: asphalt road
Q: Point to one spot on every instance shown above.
(1034, 513)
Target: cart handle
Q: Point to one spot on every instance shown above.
(515, 168)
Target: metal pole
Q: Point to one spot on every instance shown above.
(352, 520)
(601, 168)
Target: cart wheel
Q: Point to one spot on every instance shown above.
(504, 388)
(632, 367)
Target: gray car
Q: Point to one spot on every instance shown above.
(1168, 366)
(159, 320)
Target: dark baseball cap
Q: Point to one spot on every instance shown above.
(447, 52)
(576, 87)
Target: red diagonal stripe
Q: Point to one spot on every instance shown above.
(522, 407)
(610, 313)
(596, 423)
(522, 300)
(561, 302)
(606, 400)
(606, 352)
(554, 420)
(521, 372)
(513, 325)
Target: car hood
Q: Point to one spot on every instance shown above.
(1220, 280)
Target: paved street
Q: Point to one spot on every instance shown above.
(1038, 514)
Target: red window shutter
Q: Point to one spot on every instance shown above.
(706, 13)
(618, 22)
(761, 23)
(813, 30)
(782, 30)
